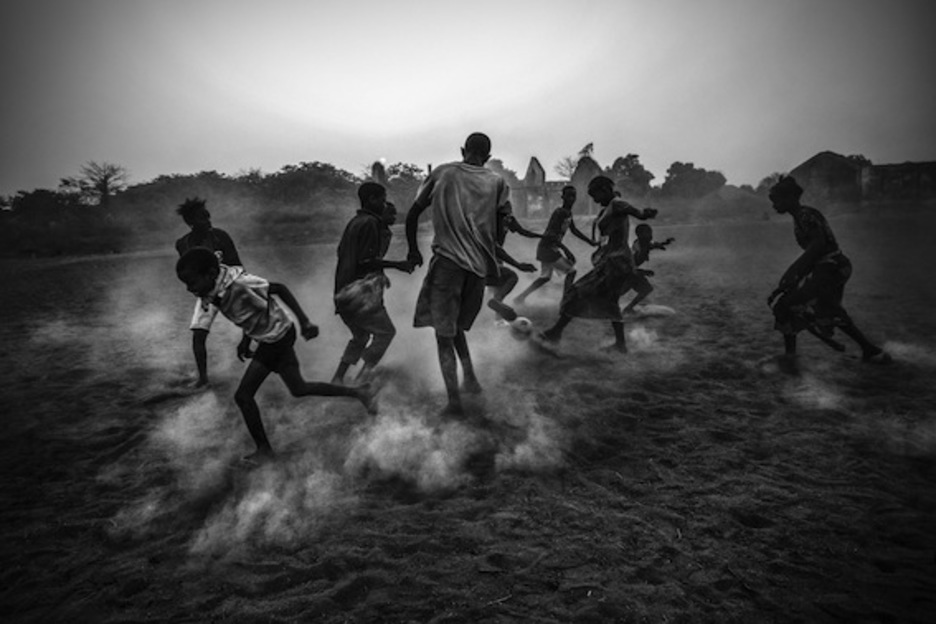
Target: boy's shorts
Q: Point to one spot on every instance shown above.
(279, 355)
(450, 298)
(562, 265)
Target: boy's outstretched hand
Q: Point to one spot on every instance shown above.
(414, 258)
(526, 267)
(243, 349)
(309, 330)
(405, 265)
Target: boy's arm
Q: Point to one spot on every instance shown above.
(568, 253)
(514, 226)
(502, 254)
(307, 328)
(578, 234)
(626, 208)
(200, 350)
(243, 348)
(412, 227)
(422, 201)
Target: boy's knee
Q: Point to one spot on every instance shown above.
(243, 397)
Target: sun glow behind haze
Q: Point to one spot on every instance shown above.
(746, 88)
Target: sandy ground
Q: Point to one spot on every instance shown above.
(689, 480)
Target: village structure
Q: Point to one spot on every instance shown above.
(833, 177)
(827, 177)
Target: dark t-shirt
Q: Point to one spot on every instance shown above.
(214, 239)
(362, 241)
(548, 248)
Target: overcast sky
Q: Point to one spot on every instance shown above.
(745, 87)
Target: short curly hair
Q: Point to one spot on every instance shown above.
(190, 207)
(199, 260)
(786, 186)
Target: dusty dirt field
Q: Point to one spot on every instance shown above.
(687, 481)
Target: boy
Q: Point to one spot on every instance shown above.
(465, 197)
(248, 301)
(643, 244)
(596, 294)
(552, 254)
(197, 217)
(815, 280)
(360, 281)
(504, 281)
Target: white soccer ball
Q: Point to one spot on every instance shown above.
(522, 326)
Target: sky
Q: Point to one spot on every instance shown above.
(745, 87)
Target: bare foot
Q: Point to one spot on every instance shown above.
(471, 386)
(617, 347)
(549, 336)
(368, 397)
(879, 356)
(452, 410)
(259, 457)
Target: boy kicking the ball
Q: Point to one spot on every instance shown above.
(248, 301)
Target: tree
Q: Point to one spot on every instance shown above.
(686, 181)
(402, 180)
(630, 176)
(566, 167)
(97, 183)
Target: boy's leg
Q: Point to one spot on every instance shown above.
(354, 349)
(471, 384)
(383, 331)
(253, 377)
(869, 350)
(554, 333)
(449, 365)
(569, 280)
(299, 387)
(620, 342)
(508, 279)
(643, 288)
(539, 282)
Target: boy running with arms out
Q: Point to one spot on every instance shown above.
(196, 216)
(596, 294)
(248, 302)
(552, 254)
(464, 198)
(360, 281)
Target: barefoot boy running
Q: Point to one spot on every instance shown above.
(360, 281)
(464, 198)
(551, 252)
(203, 234)
(248, 301)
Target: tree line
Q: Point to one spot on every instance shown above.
(99, 211)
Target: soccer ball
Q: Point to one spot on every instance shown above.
(521, 327)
